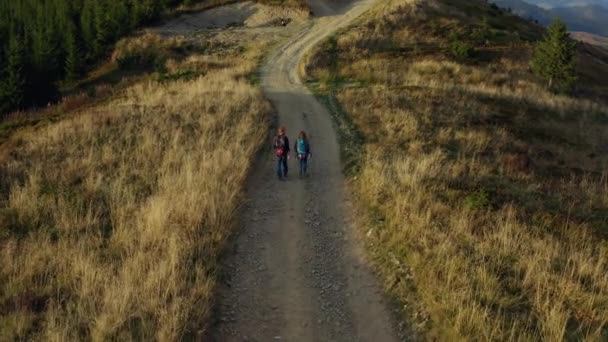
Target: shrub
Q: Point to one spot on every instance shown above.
(477, 200)
(144, 59)
(147, 52)
(9, 222)
(461, 50)
(483, 34)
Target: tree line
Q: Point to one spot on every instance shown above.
(43, 42)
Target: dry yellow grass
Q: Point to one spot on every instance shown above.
(111, 221)
(485, 197)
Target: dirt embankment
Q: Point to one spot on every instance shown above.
(243, 14)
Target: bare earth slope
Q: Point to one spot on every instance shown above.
(297, 272)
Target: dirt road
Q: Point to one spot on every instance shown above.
(297, 271)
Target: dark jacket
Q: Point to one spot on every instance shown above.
(276, 144)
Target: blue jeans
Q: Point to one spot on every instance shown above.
(303, 165)
(282, 167)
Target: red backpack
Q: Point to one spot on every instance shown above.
(280, 146)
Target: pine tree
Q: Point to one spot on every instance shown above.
(136, 15)
(103, 28)
(144, 11)
(13, 88)
(555, 58)
(46, 58)
(73, 59)
(87, 24)
(120, 19)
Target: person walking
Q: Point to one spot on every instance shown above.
(281, 146)
(302, 148)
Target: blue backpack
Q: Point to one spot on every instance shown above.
(302, 150)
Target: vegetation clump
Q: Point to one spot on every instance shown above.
(149, 52)
(461, 50)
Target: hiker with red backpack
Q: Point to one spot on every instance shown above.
(281, 146)
(302, 148)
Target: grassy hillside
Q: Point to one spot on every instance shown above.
(484, 197)
(112, 219)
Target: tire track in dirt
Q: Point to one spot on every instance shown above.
(297, 272)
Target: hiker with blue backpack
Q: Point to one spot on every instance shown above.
(302, 148)
(281, 146)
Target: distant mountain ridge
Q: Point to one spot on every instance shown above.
(592, 39)
(567, 3)
(591, 16)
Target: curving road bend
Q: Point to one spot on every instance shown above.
(298, 272)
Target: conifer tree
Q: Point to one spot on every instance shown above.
(13, 88)
(45, 65)
(120, 20)
(103, 29)
(87, 24)
(555, 58)
(73, 59)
